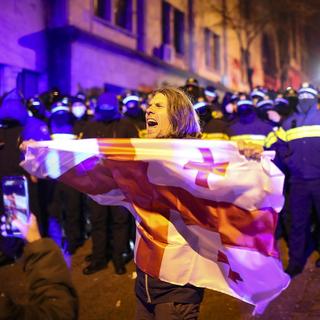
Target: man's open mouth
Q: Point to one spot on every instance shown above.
(152, 123)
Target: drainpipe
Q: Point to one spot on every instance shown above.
(191, 26)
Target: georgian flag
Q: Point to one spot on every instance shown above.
(205, 214)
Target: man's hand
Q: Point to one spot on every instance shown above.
(34, 179)
(24, 145)
(250, 150)
(29, 230)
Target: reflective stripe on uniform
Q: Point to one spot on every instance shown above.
(281, 134)
(270, 139)
(303, 132)
(273, 137)
(256, 138)
(215, 136)
(292, 134)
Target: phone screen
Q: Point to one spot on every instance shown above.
(16, 201)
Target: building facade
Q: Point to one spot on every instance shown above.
(136, 44)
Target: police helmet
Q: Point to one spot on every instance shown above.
(307, 91)
(192, 82)
(258, 93)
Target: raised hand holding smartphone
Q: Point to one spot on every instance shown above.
(16, 204)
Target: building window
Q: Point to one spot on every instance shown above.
(123, 13)
(179, 31)
(141, 25)
(117, 12)
(27, 83)
(217, 51)
(173, 25)
(268, 56)
(212, 49)
(103, 9)
(166, 36)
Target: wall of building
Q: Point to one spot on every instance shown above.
(93, 66)
(22, 41)
(206, 18)
(153, 22)
(112, 68)
(231, 73)
(82, 15)
(88, 63)
(153, 33)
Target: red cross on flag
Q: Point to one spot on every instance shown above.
(206, 167)
(205, 214)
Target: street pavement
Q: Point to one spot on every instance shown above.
(106, 296)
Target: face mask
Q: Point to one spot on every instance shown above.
(245, 110)
(306, 104)
(274, 116)
(134, 112)
(132, 109)
(106, 113)
(79, 111)
(229, 108)
(61, 118)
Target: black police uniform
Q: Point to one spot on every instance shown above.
(109, 223)
(298, 144)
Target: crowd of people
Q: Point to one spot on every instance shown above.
(287, 122)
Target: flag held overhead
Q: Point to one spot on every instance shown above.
(205, 214)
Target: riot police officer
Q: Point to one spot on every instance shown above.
(132, 111)
(192, 89)
(247, 125)
(15, 126)
(297, 144)
(257, 94)
(65, 203)
(212, 128)
(109, 223)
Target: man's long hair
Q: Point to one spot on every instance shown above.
(183, 118)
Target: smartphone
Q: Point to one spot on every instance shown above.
(15, 201)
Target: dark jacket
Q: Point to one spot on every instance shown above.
(10, 156)
(215, 129)
(139, 124)
(249, 128)
(51, 293)
(297, 145)
(120, 128)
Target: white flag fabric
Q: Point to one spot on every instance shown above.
(205, 214)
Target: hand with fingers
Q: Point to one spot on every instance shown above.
(23, 148)
(51, 292)
(24, 145)
(29, 229)
(250, 150)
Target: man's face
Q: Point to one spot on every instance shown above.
(157, 118)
